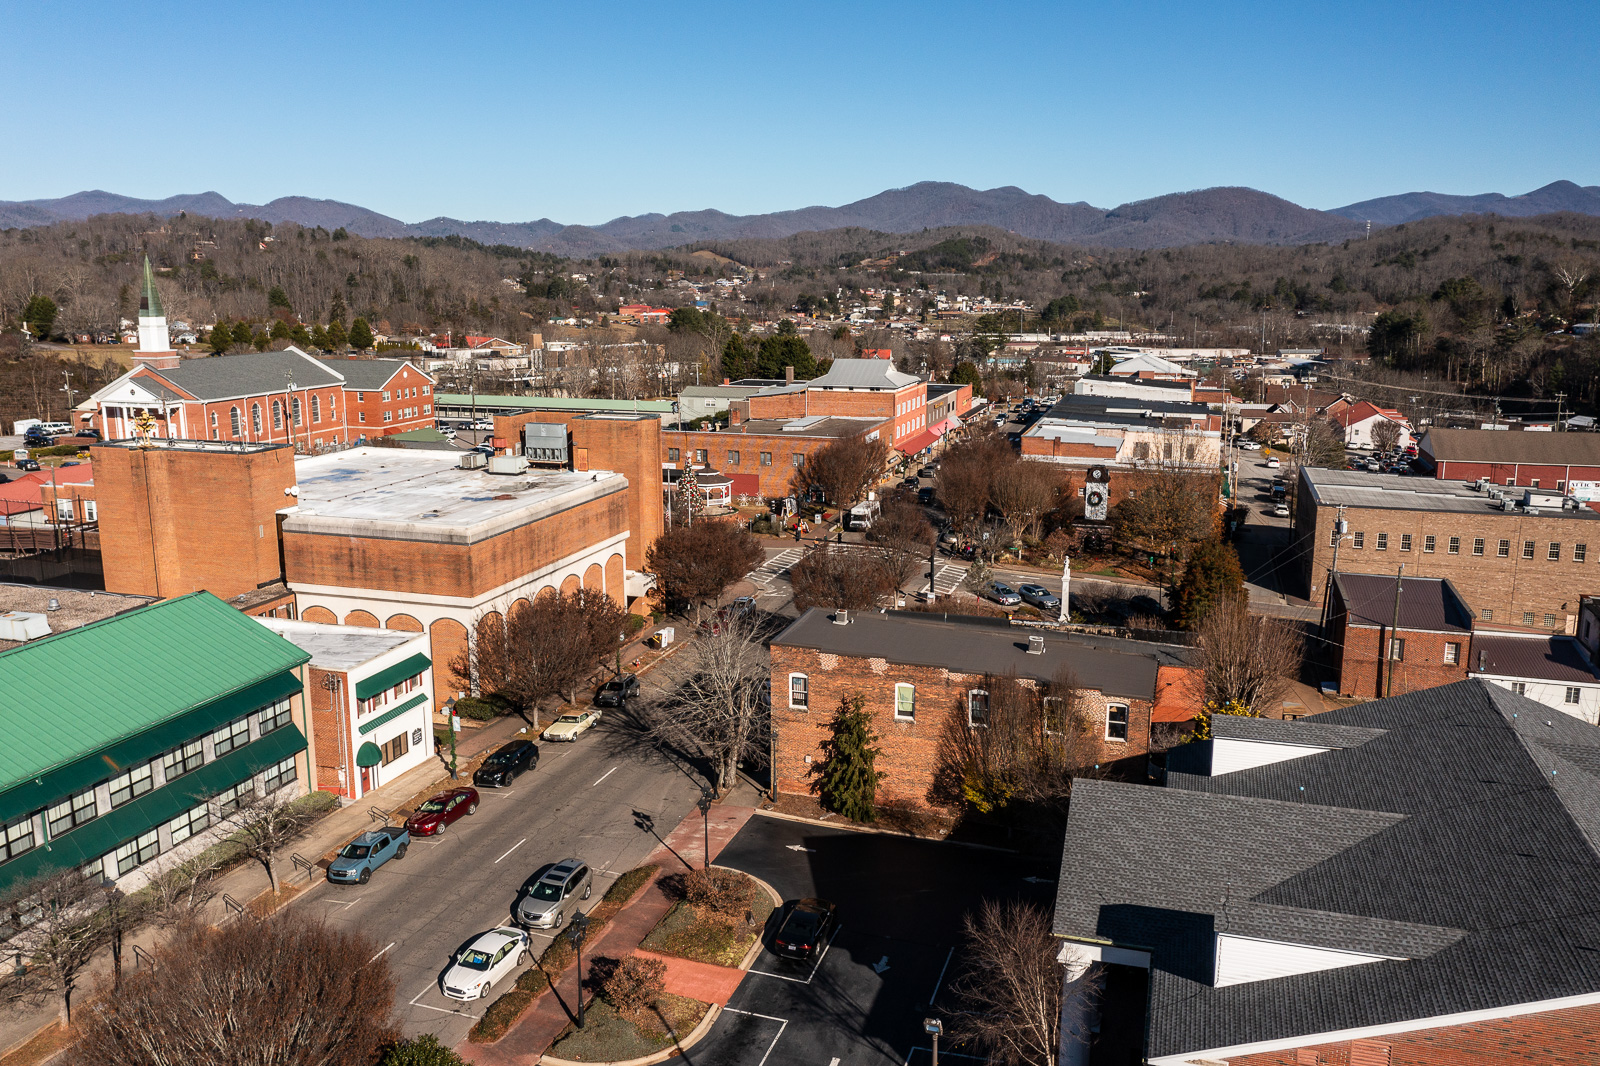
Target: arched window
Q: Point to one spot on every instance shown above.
(294, 407)
(255, 418)
(234, 423)
(277, 415)
(316, 408)
(214, 434)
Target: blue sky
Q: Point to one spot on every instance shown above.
(581, 112)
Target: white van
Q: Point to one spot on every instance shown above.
(56, 429)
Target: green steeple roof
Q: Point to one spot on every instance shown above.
(150, 300)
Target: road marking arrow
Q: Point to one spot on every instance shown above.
(882, 964)
(797, 847)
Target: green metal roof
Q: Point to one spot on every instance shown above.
(105, 834)
(392, 676)
(391, 715)
(555, 403)
(79, 694)
(149, 300)
(427, 434)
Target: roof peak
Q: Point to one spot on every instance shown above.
(149, 299)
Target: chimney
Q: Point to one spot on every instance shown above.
(841, 617)
(738, 412)
(1035, 645)
(788, 375)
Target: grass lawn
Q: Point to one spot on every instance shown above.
(607, 1036)
(687, 934)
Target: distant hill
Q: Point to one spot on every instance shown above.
(1220, 215)
(1410, 206)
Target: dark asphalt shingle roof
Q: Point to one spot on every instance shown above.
(366, 374)
(1465, 833)
(1548, 658)
(1313, 732)
(966, 644)
(1429, 604)
(222, 377)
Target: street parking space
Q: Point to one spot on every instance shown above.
(890, 962)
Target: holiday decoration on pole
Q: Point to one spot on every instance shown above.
(690, 497)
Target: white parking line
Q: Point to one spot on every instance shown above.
(940, 982)
(783, 1023)
(380, 954)
(814, 969)
(441, 1010)
(942, 1054)
(605, 775)
(514, 847)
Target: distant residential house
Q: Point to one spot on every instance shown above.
(1358, 421)
(1152, 367)
(644, 314)
(1552, 669)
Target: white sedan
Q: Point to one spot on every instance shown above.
(1249, 446)
(493, 955)
(1274, 462)
(568, 726)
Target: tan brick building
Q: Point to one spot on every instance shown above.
(917, 672)
(852, 388)
(1514, 567)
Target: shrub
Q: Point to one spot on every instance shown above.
(634, 623)
(1027, 611)
(636, 983)
(624, 887)
(720, 892)
(533, 981)
(479, 710)
(425, 1050)
(501, 1016)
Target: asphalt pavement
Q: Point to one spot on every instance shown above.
(891, 962)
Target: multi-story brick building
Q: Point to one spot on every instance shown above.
(1127, 434)
(1514, 567)
(852, 388)
(919, 674)
(1406, 882)
(1566, 463)
(371, 696)
(1397, 635)
(761, 455)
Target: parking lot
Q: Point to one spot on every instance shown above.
(892, 959)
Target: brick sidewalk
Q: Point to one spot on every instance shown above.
(532, 1036)
(698, 980)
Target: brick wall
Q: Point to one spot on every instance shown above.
(1506, 586)
(774, 477)
(332, 730)
(910, 756)
(1364, 672)
(1528, 475)
(410, 405)
(1552, 1038)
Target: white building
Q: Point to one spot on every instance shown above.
(1554, 670)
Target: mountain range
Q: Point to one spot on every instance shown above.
(1219, 215)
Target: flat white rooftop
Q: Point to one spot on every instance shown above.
(405, 494)
(341, 648)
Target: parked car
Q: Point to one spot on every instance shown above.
(569, 726)
(486, 449)
(1281, 509)
(617, 691)
(1274, 462)
(1249, 446)
(509, 760)
(27, 464)
(806, 927)
(492, 956)
(555, 896)
(1039, 596)
(927, 471)
(482, 425)
(357, 859)
(442, 809)
(925, 496)
(909, 483)
(1001, 593)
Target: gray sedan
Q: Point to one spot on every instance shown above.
(1040, 597)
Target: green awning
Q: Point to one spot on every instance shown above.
(108, 762)
(392, 676)
(391, 715)
(368, 755)
(108, 832)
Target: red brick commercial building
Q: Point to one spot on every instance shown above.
(1567, 463)
(852, 388)
(284, 397)
(1516, 567)
(761, 455)
(1404, 882)
(918, 673)
(1429, 646)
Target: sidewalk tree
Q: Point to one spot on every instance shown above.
(547, 648)
(286, 991)
(694, 565)
(1011, 986)
(833, 578)
(1023, 493)
(902, 538)
(1173, 509)
(966, 479)
(713, 702)
(847, 777)
(264, 825)
(1211, 576)
(55, 947)
(841, 472)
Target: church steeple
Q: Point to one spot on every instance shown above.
(155, 348)
(150, 300)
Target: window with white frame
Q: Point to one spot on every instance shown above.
(905, 701)
(91, 513)
(180, 761)
(1574, 694)
(1116, 721)
(132, 783)
(235, 734)
(194, 820)
(316, 408)
(72, 812)
(1519, 687)
(137, 852)
(280, 775)
(800, 691)
(1055, 714)
(17, 836)
(275, 717)
(977, 707)
(1452, 653)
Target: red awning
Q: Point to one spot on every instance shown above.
(919, 443)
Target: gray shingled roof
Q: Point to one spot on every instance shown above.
(367, 374)
(1500, 446)
(971, 645)
(1313, 731)
(223, 377)
(1427, 604)
(1463, 837)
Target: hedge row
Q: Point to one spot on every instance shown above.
(532, 983)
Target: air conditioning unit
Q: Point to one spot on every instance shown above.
(1035, 645)
(23, 625)
(473, 460)
(508, 464)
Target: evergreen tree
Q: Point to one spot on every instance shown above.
(298, 335)
(278, 298)
(260, 341)
(738, 361)
(360, 335)
(847, 778)
(1213, 575)
(40, 315)
(221, 338)
(319, 338)
(280, 330)
(784, 350)
(336, 309)
(965, 373)
(337, 338)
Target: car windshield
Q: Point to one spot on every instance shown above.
(355, 851)
(801, 923)
(611, 686)
(473, 959)
(568, 719)
(433, 806)
(500, 758)
(546, 890)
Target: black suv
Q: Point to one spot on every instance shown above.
(502, 768)
(617, 691)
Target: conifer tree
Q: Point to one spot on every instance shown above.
(221, 338)
(847, 778)
(337, 338)
(360, 335)
(319, 338)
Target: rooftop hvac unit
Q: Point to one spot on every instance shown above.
(508, 464)
(1508, 504)
(545, 442)
(22, 625)
(473, 460)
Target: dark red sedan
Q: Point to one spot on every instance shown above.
(438, 811)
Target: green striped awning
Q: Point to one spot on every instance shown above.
(392, 676)
(391, 714)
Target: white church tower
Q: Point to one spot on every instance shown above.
(155, 349)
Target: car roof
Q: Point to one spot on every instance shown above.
(371, 837)
(514, 745)
(496, 938)
(818, 906)
(562, 870)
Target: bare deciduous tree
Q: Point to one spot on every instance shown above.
(829, 577)
(283, 992)
(545, 649)
(264, 824)
(841, 472)
(694, 565)
(56, 929)
(177, 894)
(1247, 658)
(902, 538)
(1385, 435)
(713, 703)
(1024, 492)
(966, 479)
(1173, 509)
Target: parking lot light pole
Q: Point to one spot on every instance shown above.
(579, 926)
(706, 797)
(934, 1026)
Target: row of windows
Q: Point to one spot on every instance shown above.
(702, 456)
(1574, 694)
(197, 819)
(367, 706)
(1430, 545)
(905, 707)
(1141, 450)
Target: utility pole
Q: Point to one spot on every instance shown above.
(1339, 526)
(1394, 623)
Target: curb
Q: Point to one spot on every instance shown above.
(852, 827)
(695, 1036)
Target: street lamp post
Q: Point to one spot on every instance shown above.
(934, 1027)
(579, 927)
(706, 796)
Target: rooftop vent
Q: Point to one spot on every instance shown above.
(841, 617)
(22, 625)
(1035, 645)
(474, 460)
(54, 604)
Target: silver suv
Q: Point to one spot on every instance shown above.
(554, 897)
